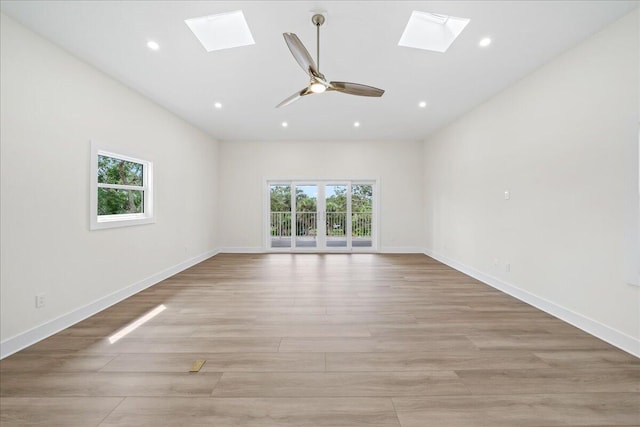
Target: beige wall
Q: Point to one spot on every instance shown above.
(245, 166)
(563, 141)
(52, 106)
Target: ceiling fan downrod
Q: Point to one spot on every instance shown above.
(318, 20)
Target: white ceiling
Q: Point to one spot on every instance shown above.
(358, 44)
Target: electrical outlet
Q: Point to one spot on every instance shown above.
(507, 268)
(40, 300)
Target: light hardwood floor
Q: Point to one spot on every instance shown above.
(322, 340)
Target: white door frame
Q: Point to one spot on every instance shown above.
(321, 215)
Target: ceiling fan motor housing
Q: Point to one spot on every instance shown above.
(318, 19)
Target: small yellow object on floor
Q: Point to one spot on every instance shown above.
(197, 365)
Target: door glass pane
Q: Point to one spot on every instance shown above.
(280, 216)
(306, 216)
(361, 211)
(336, 219)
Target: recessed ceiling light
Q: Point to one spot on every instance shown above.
(217, 105)
(356, 124)
(221, 31)
(430, 31)
(484, 42)
(422, 104)
(285, 124)
(153, 45)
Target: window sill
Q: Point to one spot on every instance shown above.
(115, 221)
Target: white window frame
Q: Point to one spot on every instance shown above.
(98, 222)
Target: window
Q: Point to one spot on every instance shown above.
(121, 190)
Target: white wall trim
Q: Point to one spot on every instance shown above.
(358, 250)
(397, 250)
(391, 250)
(593, 327)
(388, 250)
(32, 336)
(232, 250)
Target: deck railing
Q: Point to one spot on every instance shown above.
(280, 224)
(361, 224)
(335, 222)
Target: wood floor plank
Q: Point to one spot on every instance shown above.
(56, 411)
(63, 344)
(293, 330)
(53, 362)
(251, 310)
(453, 327)
(176, 318)
(185, 345)
(218, 362)
(378, 344)
(585, 359)
(331, 384)
(538, 342)
(439, 311)
(255, 412)
(551, 380)
(581, 409)
(429, 361)
(107, 384)
(335, 319)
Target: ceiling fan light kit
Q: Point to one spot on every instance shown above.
(317, 81)
(317, 87)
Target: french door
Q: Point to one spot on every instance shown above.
(321, 216)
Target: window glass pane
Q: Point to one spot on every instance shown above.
(306, 216)
(336, 215)
(280, 216)
(112, 201)
(361, 212)
(118, 171)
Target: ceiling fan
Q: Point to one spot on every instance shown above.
(318, 83)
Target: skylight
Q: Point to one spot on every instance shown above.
(430, 31)
(221, 31)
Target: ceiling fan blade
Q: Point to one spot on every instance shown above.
(293, 98)
(355, 89)
(301, 54)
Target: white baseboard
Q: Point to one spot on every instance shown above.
(386, 250)
(397, 250)
(32, 336)
(242, 250)
(612, 336)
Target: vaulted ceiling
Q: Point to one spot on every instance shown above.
(359, 43)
